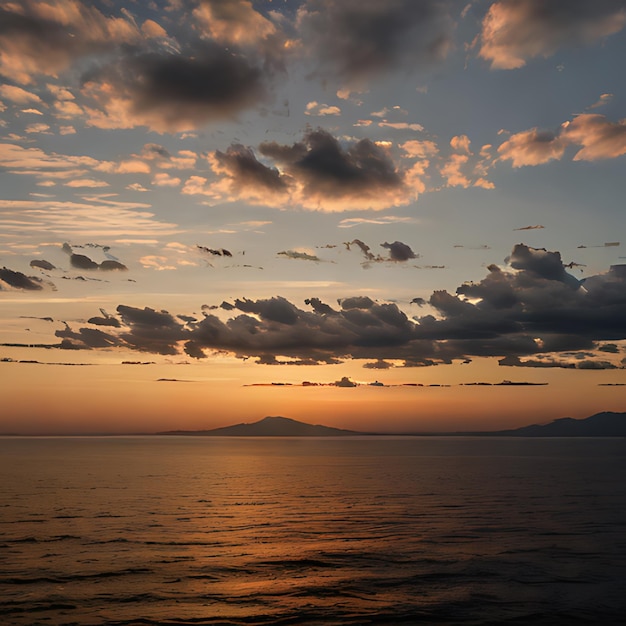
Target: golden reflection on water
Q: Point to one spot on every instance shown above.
(331, 531)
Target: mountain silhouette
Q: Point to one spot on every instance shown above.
(605, 424)
(270, 427)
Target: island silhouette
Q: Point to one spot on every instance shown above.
(604, 424)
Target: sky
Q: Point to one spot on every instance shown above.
(205, 204)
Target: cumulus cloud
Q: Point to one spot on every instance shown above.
(597, 137)
(329, 176)
(244, 176)
(175, 91)
(360, 39)
(530, 309)
(319, 173)
(532, 147)
(233, 22)
(514, 31)
(317, 108)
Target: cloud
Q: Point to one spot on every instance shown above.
(215, 251)
(399, 251)
(46, 38)
(163, 179)
(86, 182)
(350, 222)
(357, 40)
(83, 262)
(109, 265)
(531, 309)
(42, 264)
(36, 162)
(18, 95)
(532, 147)
(401, 126)
(105, 321)
(586, 364)
(329, 177)
(317, 173)
(317, 108)
(378, 365)
(599, 138)
(94, 217)
(233, 22)
(603, 100)
(345, 382)
(517, 30)
(303, 256)
(244, 176)
(17, 280)
(174, 92)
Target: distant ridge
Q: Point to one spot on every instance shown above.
(270, 427)
(605, 424)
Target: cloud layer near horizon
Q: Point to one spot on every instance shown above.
(532, 307)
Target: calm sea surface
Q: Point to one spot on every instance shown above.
(174, 530)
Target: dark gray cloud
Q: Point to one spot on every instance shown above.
(378, 365)
(42, 264)
(105, 321)
(363, 247)
(176, 91)
(399, 251)
(108, 265)
(18, 280)
(531, 309)
(345, 382)
(83, 262)
(581, 364)
(320, 172)
(150, 330)
(86, 338)
(359, 39)
(303, 256)
(215, 251)
(245, 170)
(542, 263)
(327, 170)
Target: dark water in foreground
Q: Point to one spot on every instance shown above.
(312, 531)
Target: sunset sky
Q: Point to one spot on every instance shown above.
(204, 204)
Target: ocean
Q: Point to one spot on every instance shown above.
(274, 531)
